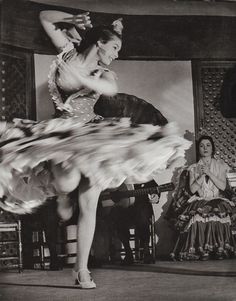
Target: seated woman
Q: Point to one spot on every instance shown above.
(204, 219)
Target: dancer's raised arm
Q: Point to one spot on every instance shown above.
(50, 18)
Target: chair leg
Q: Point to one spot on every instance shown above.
(153, 238)
(20, 261)
(41, 250)
(137, 250)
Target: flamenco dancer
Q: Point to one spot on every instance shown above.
(79, 148)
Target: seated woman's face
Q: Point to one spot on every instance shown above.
(108, 51)
(205, 148)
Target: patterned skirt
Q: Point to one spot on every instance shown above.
(205, 231)
(107, 152)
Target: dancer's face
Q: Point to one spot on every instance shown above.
(205, 148)
(108, 51)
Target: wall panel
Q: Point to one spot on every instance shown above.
(208, 77)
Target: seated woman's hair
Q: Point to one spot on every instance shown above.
(205, 137)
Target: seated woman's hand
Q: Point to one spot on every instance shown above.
(197, 171)
(205, 169)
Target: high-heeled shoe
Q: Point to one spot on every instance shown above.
(83, 284)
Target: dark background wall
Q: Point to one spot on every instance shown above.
(180, 32)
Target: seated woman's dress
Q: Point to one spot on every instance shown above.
(204, 219)
(105, 150)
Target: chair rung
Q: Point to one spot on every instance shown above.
(9, 225)
(8, 229)
(17, 240)
(8, 242)
(9, 258)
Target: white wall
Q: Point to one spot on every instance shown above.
(44, 106)
(168, 86)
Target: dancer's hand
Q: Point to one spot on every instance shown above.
(72, 35)
(81, 21)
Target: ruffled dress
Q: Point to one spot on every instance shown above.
(107, 151)
(205, 220)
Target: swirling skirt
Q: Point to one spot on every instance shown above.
(107, 152)
(205, 230)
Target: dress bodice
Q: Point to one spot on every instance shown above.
(71, 103)
(81, 105)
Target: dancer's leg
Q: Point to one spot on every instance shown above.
(88, 198)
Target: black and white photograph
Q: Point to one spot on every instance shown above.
(117, 150)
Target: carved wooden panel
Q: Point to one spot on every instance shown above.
(17, 85)
(208, 77)
(17, 100)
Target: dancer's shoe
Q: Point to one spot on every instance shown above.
(88, 284)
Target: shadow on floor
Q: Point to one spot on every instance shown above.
(194, 270)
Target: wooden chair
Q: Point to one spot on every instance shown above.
(10, 242)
